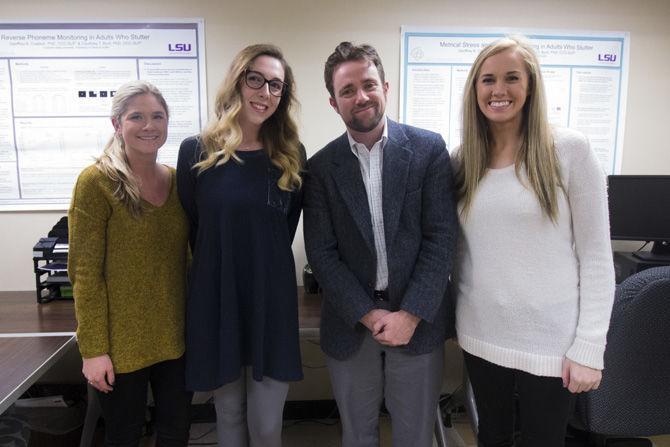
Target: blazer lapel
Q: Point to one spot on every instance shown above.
(347, 176)
(394, 179)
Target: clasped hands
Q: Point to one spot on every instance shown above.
(391, 328)
(396, 329)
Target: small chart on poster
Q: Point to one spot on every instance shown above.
(57, 81)
(585, 76)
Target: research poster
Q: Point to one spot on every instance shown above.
(57, 81)
(585, 75)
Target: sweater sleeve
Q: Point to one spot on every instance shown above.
(587, 196)
(87, 219)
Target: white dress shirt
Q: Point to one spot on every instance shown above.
(370, 162)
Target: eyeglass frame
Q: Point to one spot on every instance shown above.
(267, 81)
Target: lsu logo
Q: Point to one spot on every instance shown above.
(607, 57)
(179, 47)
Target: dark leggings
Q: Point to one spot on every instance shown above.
(544, 405)
(124, 408)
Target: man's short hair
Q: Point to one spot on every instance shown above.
(346, 52)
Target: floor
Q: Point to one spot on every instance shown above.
(326, 433)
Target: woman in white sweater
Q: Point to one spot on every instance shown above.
(535, 277)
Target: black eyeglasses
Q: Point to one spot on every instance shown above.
(256, 80)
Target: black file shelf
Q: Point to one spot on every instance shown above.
(50, 265)
(51, 284)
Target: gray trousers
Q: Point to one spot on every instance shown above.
(409, 384)
(249, 413)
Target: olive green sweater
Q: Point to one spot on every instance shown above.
(129, 275)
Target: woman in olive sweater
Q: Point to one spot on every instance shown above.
(127, 263)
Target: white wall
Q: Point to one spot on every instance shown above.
(308, 30)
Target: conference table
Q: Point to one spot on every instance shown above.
(33, 337)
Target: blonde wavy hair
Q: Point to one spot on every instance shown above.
(113, 162)
(279, 133)
(537, 154)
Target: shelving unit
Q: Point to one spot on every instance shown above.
(51, 283)
(50, 265)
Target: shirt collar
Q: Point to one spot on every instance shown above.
(355, 146)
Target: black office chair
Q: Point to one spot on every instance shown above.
(634, 396)
(93, 413)
(463, 396)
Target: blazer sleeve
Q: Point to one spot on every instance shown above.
(439, 230)
(87, 219)
(343, 290)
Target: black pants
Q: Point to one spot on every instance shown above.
(124, 408)
(544, 405)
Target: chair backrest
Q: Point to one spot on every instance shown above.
(634, 396)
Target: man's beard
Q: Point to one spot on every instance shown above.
(366, 126)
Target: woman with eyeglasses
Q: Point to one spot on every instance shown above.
(240, 184)
(535, 276)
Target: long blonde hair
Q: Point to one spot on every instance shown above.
(537, 154)
(279, 133)
(113, 162)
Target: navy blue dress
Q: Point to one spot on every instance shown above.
(242, 303)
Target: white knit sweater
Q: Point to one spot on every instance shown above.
(531, 292)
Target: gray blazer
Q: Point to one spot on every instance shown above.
(420, 226)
